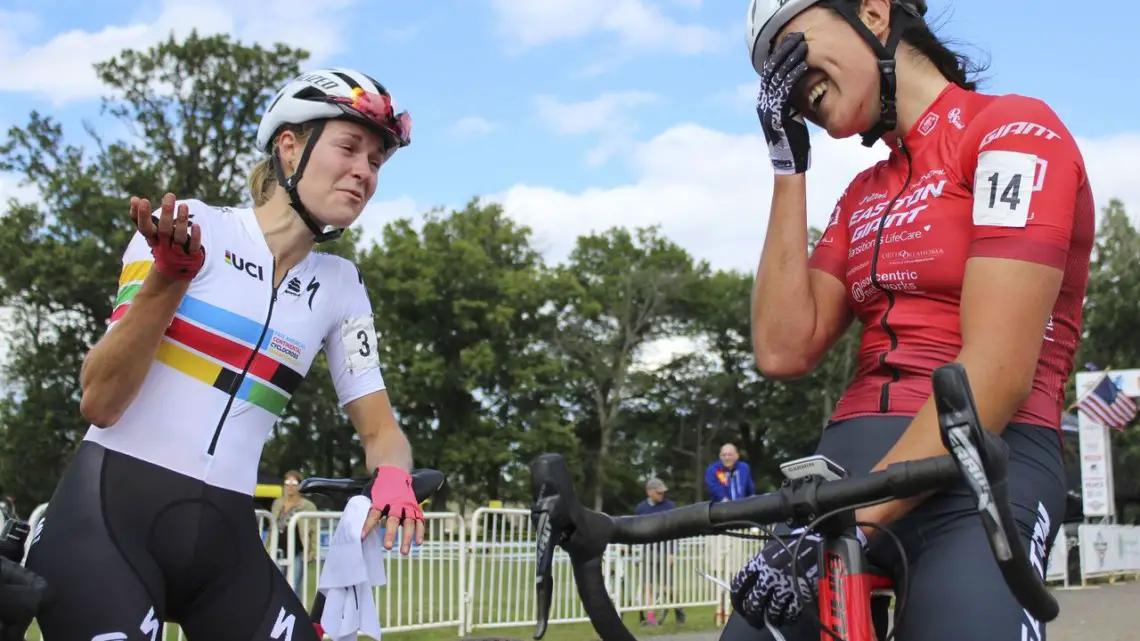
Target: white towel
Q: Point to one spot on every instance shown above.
(352, 568)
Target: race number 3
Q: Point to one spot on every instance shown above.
(1004, 183)
(359, 338)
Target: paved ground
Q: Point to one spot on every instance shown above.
(1100, 613)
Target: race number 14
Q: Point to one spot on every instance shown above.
(1003, 187)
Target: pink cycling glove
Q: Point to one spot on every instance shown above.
(175, 261)
(392, 494)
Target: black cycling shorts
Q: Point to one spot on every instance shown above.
(126, 545)
(956, 591)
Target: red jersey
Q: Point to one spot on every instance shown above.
(977, 175)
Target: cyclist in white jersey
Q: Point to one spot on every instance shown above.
(219, 315)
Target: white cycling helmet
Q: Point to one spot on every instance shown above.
(321, 95)
(767, 17)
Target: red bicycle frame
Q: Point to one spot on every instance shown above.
(852, 603)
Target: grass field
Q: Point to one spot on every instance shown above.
(503, 592)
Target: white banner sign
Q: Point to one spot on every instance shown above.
(1109, 548)
(1096, 483)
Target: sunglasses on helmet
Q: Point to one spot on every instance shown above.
(378, 110)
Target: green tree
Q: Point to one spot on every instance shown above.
(716, 395)
(1109, 336)
(460, 315)
(192, 108)
(618, 292)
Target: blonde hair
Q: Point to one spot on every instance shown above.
(263, 176)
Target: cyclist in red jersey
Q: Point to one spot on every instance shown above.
(969, 243)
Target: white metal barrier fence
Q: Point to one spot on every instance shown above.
(484, 578)
(659, 578)
(423, 589)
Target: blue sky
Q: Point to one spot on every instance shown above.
(579, 114)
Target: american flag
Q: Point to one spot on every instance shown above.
(1107, 405)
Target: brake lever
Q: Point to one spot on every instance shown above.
(548, 535)
(979, 454)
(982, 457)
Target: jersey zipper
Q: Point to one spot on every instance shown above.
(249, 363)
(884, 391)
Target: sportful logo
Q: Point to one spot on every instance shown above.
(294, 286)
(240, 264)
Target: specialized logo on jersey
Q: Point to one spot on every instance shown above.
(242, 265)
(312, 288)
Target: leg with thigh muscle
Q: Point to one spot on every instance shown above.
(251, 600)
(956, 589)
(96, 592)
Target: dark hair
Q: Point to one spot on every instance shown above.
(956, 67)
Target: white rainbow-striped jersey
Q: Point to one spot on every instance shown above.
(237, 349)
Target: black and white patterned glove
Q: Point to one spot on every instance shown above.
(765, 587)
(789, 144)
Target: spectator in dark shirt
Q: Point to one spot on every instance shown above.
(657, 566)
(729, 478)
(655, 500)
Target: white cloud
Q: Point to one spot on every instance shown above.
(10, 188)
(380, 213)
(638, 24)
(1111, 163)
(742, 97)
(472, 127)
(710, 191)
(610, 114)
(707, 189)
(607, 112)
(60, 69)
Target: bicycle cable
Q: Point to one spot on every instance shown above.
(793, 552)
(809, 597)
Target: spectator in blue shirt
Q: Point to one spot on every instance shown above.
(657, 562)
(729, 478)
